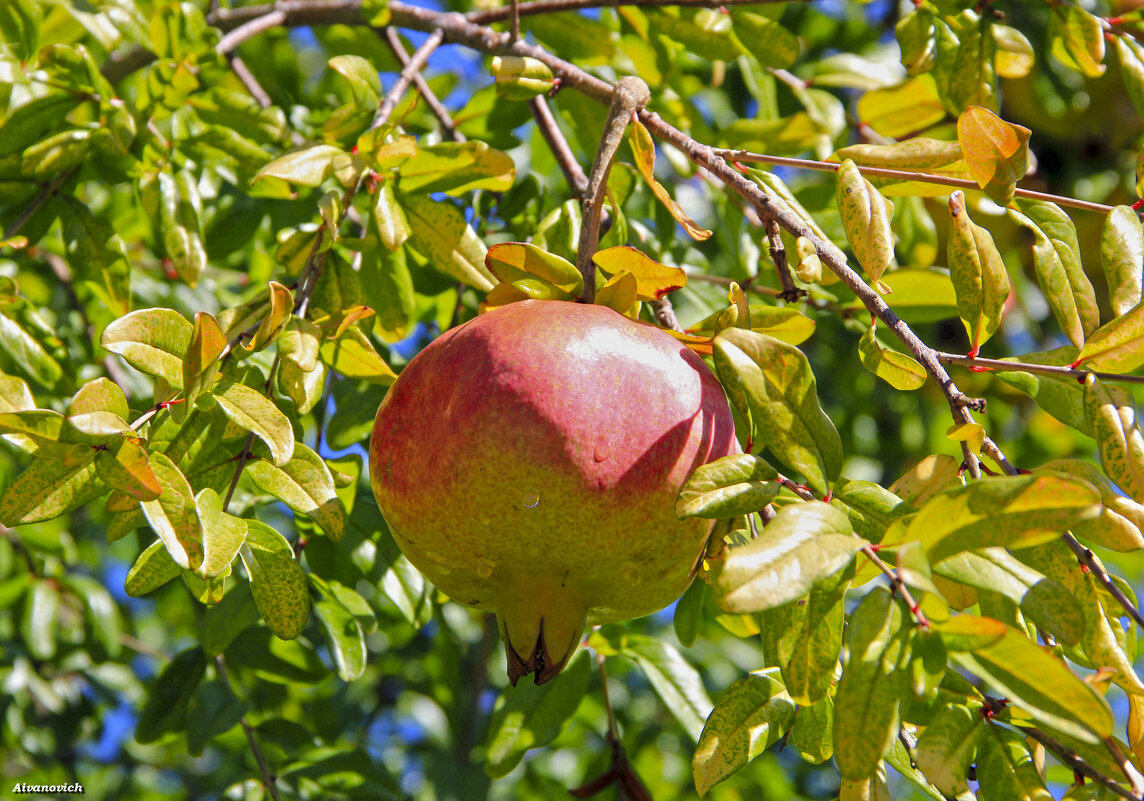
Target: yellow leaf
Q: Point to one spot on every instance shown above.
(653, 280)
(644, 151)
(996, 151)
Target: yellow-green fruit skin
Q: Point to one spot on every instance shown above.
(528, 463)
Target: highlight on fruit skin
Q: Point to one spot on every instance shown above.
(528, 462)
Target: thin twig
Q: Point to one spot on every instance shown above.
(49, 189)
(243, 73)
(790, 293)
(414, 65)
(1037, 369)
(1130, 772)
(1088, 559)
(448, 126)
(269, 780)
(251, 28)
(558, 144)
(1076, 762)
(746, 156)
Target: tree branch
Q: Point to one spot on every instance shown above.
(991, 365)
(558, 144)
(746, 156)
(1076, 762)
(448, 126)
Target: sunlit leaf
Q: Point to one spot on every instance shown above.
(752, 715)
(277, 582)
(996, 151)
(152, 341)
(1018, 511)
(644, 151)
(978, 272)
(771, 384)
(530, 716)
(806, 543)
(866, 218)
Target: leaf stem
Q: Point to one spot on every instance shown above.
(1037, 369)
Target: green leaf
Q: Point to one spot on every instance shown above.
(354, 356)
(311, 165)
(917, 154)
(305, 485)
(945, 749)
(1056, 258)
(896, 369)
(996, 151)
(752, 715)
(771, 384)
(152, 341)
(51, 488)
(805, 544)
(809, 645)
(1006, 767)
(870, 507)
(1079, 40)
(1061, 397)
(457, 167)
(208, 341)
(866, 219)
(1118, 345)
(229, 618)
(251, 410)
(388, 287)
(921, 296)
(20, 27)
(812, 734)
(174, 516)
(783, 323)
(127, 468)
(344, 634)
(873, 680)
(212, 710)
(521, 78)
(166, 706)
(39, 627)
(1041, 685)
(28, 353)
(676, 682)
(978, 272)
(914, 32)
(901, 110)
(1046, 602)
(180, 208)
(531, 716)
(1122, 251)
(280, 313)
(514, 262)
(277, 582)
(1112, 415)
(223, 534)
(151, 570)
(765, 39)
(688, 614)
(964, 62)
(100, 395)
(1009, 511)
(733, 485)
(392, 225)
(443, 238)
(1120, 526)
